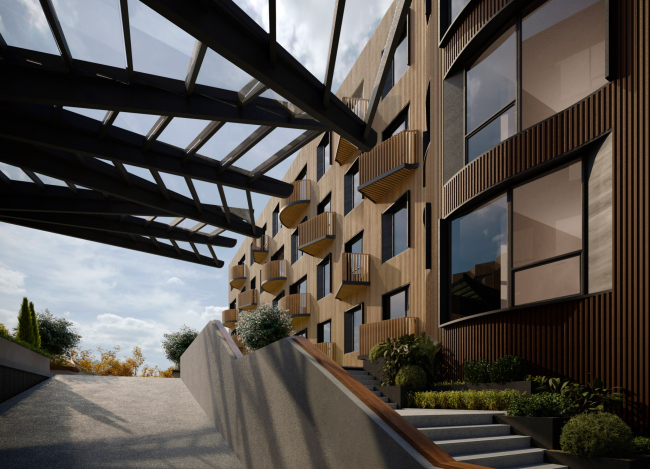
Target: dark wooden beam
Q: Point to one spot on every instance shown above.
(198, 54)
(57, 32)
(339, 8)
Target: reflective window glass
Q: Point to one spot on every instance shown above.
(396, 304)
(491, 80)
(357, 197)
(357, 320)
(479, 242)
(547, 216)
(563, 56)
(401, 59)
(548, 281)
(400, 231)
(456, 7)
(491, 135)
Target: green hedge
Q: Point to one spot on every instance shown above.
(543, 405)
(22, 343)
(464, 400)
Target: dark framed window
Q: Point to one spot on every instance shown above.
(400, 123)
(353, 319)
(276, 220)
(395, 229)
(276, 300)
(299, 287)
(325, 205)
(395, 304)
(324, 271)
(426, 135)
(302, 174)
(233, 305)
(242, 261)
(355, 244)
(279, 254)
(253, 283)
(351, 181)
(295, 252)
(324, 332)
(428, 232)
(323, 156)
(401, 61)
(301, 333)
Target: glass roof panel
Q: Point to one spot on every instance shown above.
(96, 114)
(141, 172)
(220, 73)
(227, 139)
(51, 181)
(138, 123)
(165, 220)
(14, 173)
(159, 46)
(208, 193)
(176, 184)
(258, 10)
(93, 30)
(23, 24)
(181, 131)
(273, 142)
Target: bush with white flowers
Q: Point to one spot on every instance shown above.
(263, 326)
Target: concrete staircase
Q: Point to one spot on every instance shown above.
(472, 437)
(370, 382)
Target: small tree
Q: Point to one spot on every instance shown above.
(176, 343)
(35, 334)
(57, 336)
(263, 326)
(3, 330)
(25, 330)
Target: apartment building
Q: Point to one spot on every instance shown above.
(504, 209)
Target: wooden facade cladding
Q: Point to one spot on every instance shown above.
(298, 304)
(345, 149)
(260, 248)
(372, 334)
(328, 349)
(383, 167)
(274, 274)
(229, 318)
(355, 275)
(292, 209)
(248, 300)
(238, 276)
(315, 235)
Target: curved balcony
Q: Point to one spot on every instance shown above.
(355, 275)
(298, 307)
(238, 275)
(229, 318)
(260, 248)
(345, 149)
(273, 276)
(383, 167)
(293, 207)
(248, 300)
(316, 234)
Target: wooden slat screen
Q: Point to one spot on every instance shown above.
(229, 315)
(261, 244)
(358, 105)
(318, 227)
(356, 267)
(249, 297)
(301, 191)
(274, 269)
(327, 348)
(375, 332)
(397, 150)
(296, 304)
(238, 271)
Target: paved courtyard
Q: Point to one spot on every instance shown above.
(86, 421)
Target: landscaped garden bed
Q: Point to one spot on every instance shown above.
(592, 462)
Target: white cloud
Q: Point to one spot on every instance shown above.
(8, 318)
(209, 313)
(175, 281)
(12, 281)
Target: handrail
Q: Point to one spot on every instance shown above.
(320, 226)
(356, 268)
(398, 150)
(372, 333)
(297, 304)
(301, 192)
(261, 243)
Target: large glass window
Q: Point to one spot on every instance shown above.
(324, 332)
(400, 63)
(395, 228)
(299, 287)
(396, 303)
(352, 195)
(323, 156)
(279, 254)
(456, 7)
(353, 319)
(276, 300)
(295, 252)
(325, 205)
(355, 245)
(325, 277)
(276, 220)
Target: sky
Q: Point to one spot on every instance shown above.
(120, 297)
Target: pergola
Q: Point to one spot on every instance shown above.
(102, 200)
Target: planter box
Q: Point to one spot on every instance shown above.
(522, 386)
(588, 462)
(544, 431)
(397, 394)
(177, 373)
(20, 369)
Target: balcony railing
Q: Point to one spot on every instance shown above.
(316, 233)
(328, 349)
(298, 307)
(238, 276)
(273, 276)
(375, 332)
(383, 167)
(293, 207)
(345, 149)
(229, 318)
(248, 300)
(355, 275)
(260, 248)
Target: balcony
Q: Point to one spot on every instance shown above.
(316, 234)
(273, 276)
(248, 300)
(238, 276)
(345, 149)
(383, 167)
(293, 207)
(375, 332)
(298, 307)
(355, 276)
(328, 349)
(237, 340)
(229, 318)
(260, 248)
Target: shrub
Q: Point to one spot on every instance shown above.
(377, 351)
(263, 326)
(108, 363)
(411, 375)
(57, 335)
(537, 380)
(25, 330)
(542, 405)
(476, 371)
(641, 445)
(3, 329)
(597, 434)
(463, 400)
(410, 349)
(594, 397)
(176, 343)
(508, 368)
(36, 336)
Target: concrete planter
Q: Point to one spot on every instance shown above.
(397, 394)
(177, 373)
(544, 431)
(20, 369)
(587, 462)
(525, 387)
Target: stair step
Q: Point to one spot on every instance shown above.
(383, 398)
(504, 459)
(465, 431)
(422, 418)
(392, 405)
(358, 373)
(369, 380)
(484, 445)
(370, 386)
(376, 393)
(541, 466)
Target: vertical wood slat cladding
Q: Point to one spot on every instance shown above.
(301, 191)
(261, 243)
(605, 335)
(273, 270)
(373, 333)
(316, 228)
(298, 304)
(356, 268)
(397, 150)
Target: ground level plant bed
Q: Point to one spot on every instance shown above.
(525, 387)
(544, 431)
(588, 462)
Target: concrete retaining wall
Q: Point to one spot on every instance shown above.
(20, 369)
(277, 407)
